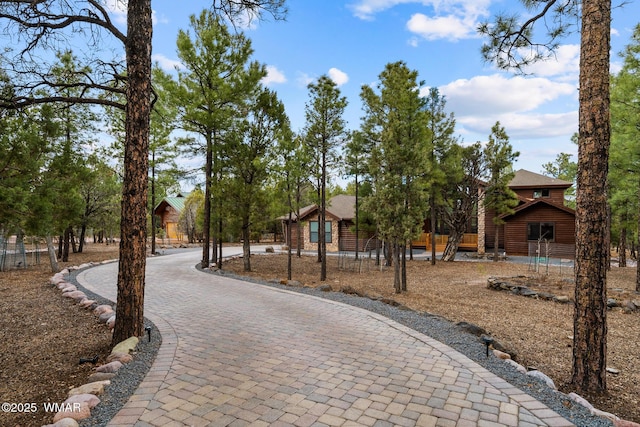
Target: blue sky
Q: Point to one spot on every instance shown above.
(353, 40)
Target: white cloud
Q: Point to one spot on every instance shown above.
(304, 79)
(565, 62)
(437, 19)
(496, 94)
(339, 77)
(274, 76)
(517, 103)
(441, 27)
(365, 9)
(522, 126)
(118, 9)
(165, 63)
(158, 19)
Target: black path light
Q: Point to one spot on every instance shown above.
(93, 360)
(487, 340)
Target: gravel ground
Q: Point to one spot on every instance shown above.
(130, 376)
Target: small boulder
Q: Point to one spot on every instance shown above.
(562, 299)
(625, 423)
(100, 376)
(96, 387)
(89, 399)
(111, 322)
(269, 249)
(87, 303)
(65, 422)
(544, 378)
(77, 411)
(111, 367)
(102, 308)
(612, 303)
(501, 355)
(105, 316)
(123, 358)
(126, 346)
(629, 306)
(580, 400)
(516, 365)
(75, 295)
(325, 288)
(603, 414)
(69, 288)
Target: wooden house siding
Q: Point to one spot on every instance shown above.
(348, 238)
(556, 195)
(516, 228)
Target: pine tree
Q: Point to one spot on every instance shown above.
(395, 120)
(499, 197)
(325, 131)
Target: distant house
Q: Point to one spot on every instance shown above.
(168, 211)
(540, 221)
(540, 217)
(339, 226)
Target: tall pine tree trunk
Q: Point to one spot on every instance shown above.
(133, 225)
(206, 231)
(83, 235)
(65, 244)
(153, 202)
(404, 267)
(622, 251)
(496, 243)
(246, 243)
(51, 250)
(397, 282)
(432, 204)
(590, 317)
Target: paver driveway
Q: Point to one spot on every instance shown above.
(237, 354)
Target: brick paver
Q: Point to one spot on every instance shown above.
(235, 353)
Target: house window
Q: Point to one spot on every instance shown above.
(313, 237)
(543, 192)
(541, 231)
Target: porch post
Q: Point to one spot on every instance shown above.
(481, 223)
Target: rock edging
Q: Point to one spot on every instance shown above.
(82, 399)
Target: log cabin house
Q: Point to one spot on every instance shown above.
(541, 217)
(339, 227)
(167, 213)
(540, 222)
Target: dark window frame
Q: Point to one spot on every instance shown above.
(537, 229)
(314, 237)
(541, 193)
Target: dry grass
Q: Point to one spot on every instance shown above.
(42, 338)
(539, 331)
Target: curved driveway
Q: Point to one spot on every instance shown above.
(236, 354)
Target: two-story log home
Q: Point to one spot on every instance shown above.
(541, 217)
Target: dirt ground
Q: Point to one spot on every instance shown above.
(43, 336)
(540, 332)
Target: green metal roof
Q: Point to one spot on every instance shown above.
(176, 203)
